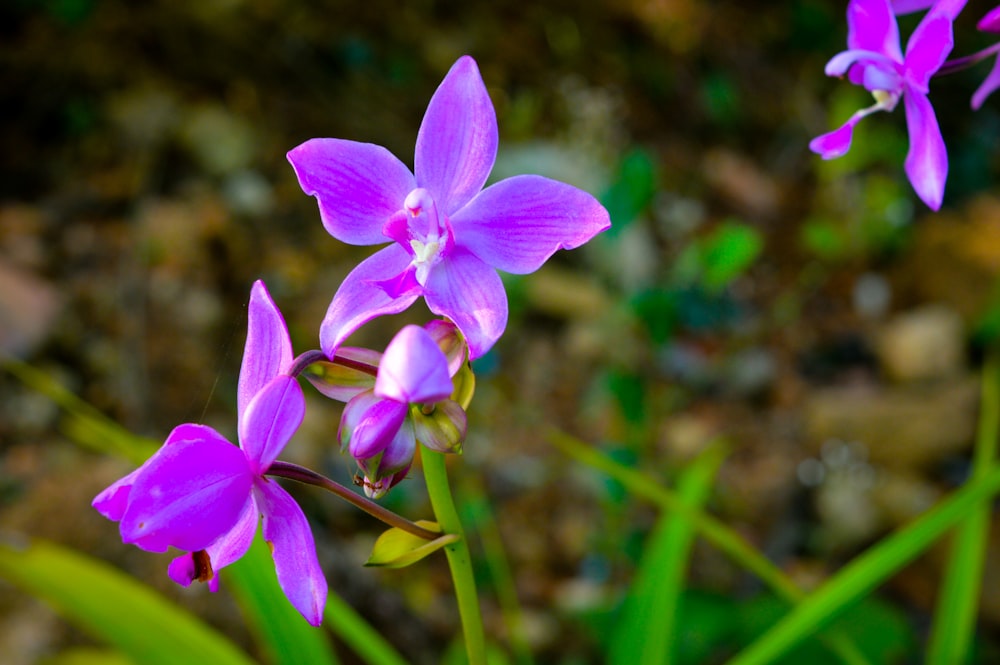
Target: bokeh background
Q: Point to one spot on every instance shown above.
(814, 315)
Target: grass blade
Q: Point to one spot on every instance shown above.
(114, 608)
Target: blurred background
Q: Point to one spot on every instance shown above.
(814, 315)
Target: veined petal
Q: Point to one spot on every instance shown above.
(360, 298)
(518, 223)
(413, 369)
(445, 429)
(270, 421)
(872, 26)
(927, 49)
(927, 160)
(457, 141)
(986, 88)
(358, 186)
(294, 551)
(268, 349)
(375, 428)
(470, 293)
(192, 492)
(450, 341)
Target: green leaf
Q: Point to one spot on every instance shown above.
(396, 548)
(647, 631)
(115, 608)
(866, 572)
(284, 634)
(728, 253)
(358, 634)
(958, 600)
(87, 656)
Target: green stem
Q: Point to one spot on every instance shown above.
(459, 560)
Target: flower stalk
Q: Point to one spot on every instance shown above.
(459, 560)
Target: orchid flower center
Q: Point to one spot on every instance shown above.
(427, 231)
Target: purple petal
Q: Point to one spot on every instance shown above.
(268, 350)
(470, 293)
(358, 185)
(114, 499)
(836, 143)
(414, 369)
(369, 425)
(990, 22)
(192, 492)
(910, 6)
(518, 223)
(287, 532)
(398, 454)
(927, 161)
(457, 141)
(927, 49)
(986, 88)
(229, 547)
(871, 26)
(270, 421)
(360, 298)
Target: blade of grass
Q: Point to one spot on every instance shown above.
(114, 608)
(646, 632)
(955, 615)
(358, 634)
(281, 631)
(716, 532)
(867, 571)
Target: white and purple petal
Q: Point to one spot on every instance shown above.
(927, 160)
(457, 141)
(268, 349)
(358, 186)
(518, 223)
(293, 549)
(413, 369)
(228, 548)
(270, 421)
(362, 297)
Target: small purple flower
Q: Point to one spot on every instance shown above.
(450, 235)
(202, 494)
(381, 425)
(874, 60)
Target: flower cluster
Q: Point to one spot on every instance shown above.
(875, 60)
(447, 236)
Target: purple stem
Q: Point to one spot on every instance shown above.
(309, 357)
(958, 64)
(301, 474)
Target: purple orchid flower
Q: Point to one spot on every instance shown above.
(874, 60)
(202, 494)
(450, 235)
(379, 426)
